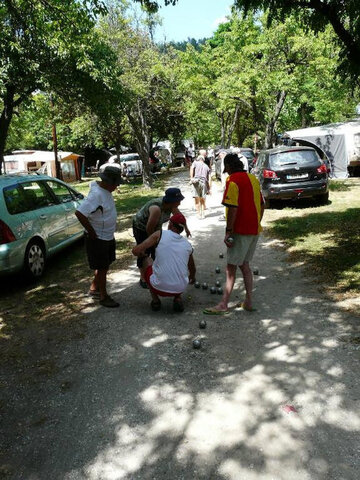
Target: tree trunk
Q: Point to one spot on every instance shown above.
(138, 123)
(5, 120)
(233, 124)
(270, 126)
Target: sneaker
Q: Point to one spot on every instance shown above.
(178, 306)
(109, 302)
(143, 284)
(155, 306)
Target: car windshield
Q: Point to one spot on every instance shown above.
(129, 158)
(295, 157)
(248, 155)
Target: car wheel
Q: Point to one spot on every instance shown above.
(34, 263)
(323, 199)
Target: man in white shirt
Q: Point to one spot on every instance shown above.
(97, 214)
(173, 267)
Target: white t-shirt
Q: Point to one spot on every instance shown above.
(170, 267)
(99, 208)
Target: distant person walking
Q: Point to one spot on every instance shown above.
(173, 268)
(200, 177)
(97, 214)
(245, 208)
(150, 219)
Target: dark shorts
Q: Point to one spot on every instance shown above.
(100, 253)
(140, 236)
(148, 274)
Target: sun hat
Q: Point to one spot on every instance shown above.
(178, 219)
(111, 175)
(233, 161)
(173, 195)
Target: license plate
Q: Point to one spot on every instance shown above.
(298, 176)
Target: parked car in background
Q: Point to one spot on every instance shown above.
(250, 155)
(131, 164)
(37, 220)
(292, 173)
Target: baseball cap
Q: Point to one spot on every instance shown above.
(178, 219)
(173, 195)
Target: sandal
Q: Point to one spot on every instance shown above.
(94, 293)
(109, 302)
(242, 305)
(155, 306)
(215, 311)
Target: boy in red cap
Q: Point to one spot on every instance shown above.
(173, 267)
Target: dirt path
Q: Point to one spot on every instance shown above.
(133, 400)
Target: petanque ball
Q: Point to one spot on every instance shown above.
(204, 286)
(221, 255)
(197, 343)
(197, 284)
(256, 271)
(213, 290)
(217, 283)
(219, 291)
(202, 324)
(217, 269)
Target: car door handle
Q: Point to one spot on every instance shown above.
(43, 217)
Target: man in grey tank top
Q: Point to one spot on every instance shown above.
(150, 219)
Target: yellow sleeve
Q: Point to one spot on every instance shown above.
(231, 196)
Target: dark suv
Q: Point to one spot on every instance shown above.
(291, 173)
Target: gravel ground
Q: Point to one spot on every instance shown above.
(272, 394)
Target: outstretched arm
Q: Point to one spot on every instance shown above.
(139, 250)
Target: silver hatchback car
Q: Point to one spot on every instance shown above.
(36, 220)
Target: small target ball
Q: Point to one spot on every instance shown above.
(204, 286)
(197, 343)
(221, 255)
(197, 284)
(219, 291)
(217, 283)
(256, 271)
(217, 269)
(202, 324)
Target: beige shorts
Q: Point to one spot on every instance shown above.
(243, 249)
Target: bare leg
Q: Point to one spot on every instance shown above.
(248, 282)
(202, 206)
(229, 285)
(100, 279)
(94, 287)
(197, 205)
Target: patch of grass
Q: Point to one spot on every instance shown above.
(326, 239)
(339, 186)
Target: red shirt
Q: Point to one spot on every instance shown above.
(243, 191)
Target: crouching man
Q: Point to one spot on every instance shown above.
(173, 268)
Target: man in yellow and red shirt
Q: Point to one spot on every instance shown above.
(244, 210)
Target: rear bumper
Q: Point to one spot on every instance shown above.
(295, 190)
(11, 257)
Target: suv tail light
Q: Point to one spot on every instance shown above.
(322, 168)
(269, 174)
(6, 235)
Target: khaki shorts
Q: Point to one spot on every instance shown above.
(243, 249)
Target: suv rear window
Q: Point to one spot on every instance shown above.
(295, 157)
